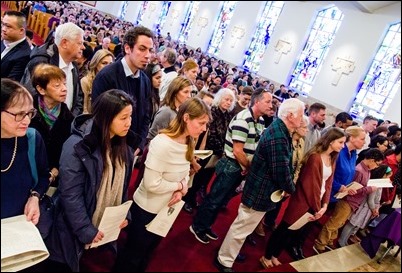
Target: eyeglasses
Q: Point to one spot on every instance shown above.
(21, 115)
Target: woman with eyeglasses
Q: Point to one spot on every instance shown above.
(19, 194)
(53, 120)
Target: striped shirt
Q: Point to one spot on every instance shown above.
(243, 128)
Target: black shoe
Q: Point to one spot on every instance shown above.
(200, 236)
(221, 267)
(211, 235)
(300, 252)
(240, 258)
(293, 253)
(188, 208)
(251, 240)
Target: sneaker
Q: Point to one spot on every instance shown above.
(319, 251)
(211, 235)
(240, 258)
(221, 267)
(202, 237)
(188, 208)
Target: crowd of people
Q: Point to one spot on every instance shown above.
(158, 100)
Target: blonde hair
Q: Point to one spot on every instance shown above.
(187, 65)
(354, 131)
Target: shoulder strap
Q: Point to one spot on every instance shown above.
(31, 134)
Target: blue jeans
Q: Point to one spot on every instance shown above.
(228, 178)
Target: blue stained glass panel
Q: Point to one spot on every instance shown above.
(187, 24)
(316, 49)
(221, 26)
(141, 12)
(265, 27)
(383, 78)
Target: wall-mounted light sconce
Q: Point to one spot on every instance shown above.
(237, 33)
(342, 66)
(282, 47)
(202, 22)
(175, 15)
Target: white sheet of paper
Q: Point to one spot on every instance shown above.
(397, 202)
(202, 154)
(301, 221)
(111, 221)
(380, 183)
(165, 218)
(353, 185)
(21, 244)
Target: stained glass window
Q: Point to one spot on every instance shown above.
(221, 27)
(263, 32)
(123, 10)
(321, 36)
(140, 16)
(186, 25)
(382, 80)
(162, 18)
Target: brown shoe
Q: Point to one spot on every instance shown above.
(266, 263)
(259, 230)
(354, 239)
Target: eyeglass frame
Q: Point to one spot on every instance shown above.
(33, 113)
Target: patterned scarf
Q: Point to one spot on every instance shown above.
(50, 115)
(110, 192)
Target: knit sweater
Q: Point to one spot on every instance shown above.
(165, 167)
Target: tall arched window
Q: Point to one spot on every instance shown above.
(382, 80)
(263, 32)
(143, 8)
(191, 11)
(221, 27)
(162, 18)
(321, 36)
(123, 10)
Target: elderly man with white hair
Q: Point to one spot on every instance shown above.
(271, 170)
(67, 48)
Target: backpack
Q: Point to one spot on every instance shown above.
(47, 203)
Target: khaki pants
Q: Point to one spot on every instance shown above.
(329, 231)
(246, 221)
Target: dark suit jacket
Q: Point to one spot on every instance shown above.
(14, 62)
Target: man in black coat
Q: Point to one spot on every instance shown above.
(15, 49)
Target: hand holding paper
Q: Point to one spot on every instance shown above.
(164, 220)
(111, 221)
(304, 219)
(352, 186)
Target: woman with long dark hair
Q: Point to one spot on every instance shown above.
(95, 169)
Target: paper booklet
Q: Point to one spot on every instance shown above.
(397, 202)
(110, 223)
(22, 245)
(380, 183)
(301, 221)
(353, 185)
(202, 154)
(165, 218)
